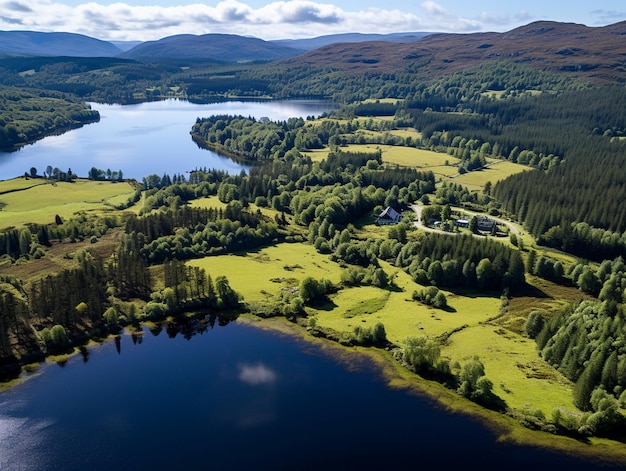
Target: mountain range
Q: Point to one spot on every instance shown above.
(34, 43)
(595, 53)
(212, 47)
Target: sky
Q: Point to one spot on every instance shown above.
(144, 20)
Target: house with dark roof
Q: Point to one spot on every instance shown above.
(485, 224)
(388, 216)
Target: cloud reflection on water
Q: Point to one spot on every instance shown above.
(256, 374)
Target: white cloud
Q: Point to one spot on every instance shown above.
(257, 374)
(435, 9)
(275, 20)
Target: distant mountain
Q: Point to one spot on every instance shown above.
(314, 43)
(214, 47)
(34, 43)
(125, 45)
(593, 53)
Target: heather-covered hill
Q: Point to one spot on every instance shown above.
(592, 53)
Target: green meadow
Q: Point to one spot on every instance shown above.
(25, 203)
(471, 326)
(495, 171)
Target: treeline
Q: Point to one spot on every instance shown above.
(586, 342)
(462, 261)
(187, 232)
(247, 138)
(190, 289)
(33, 240)
(97, 297)
(585, 241)
(125, 81)
(28, 115)
(589, 186)
(417, 82)
(111, 175)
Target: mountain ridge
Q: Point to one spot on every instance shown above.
(37, 43)
(593, 53)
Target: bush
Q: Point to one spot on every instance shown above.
(58, 338)
(431, 296)
(534, 324)
(367, 336)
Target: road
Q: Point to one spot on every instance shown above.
(419, 223)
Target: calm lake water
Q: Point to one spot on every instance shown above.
(144, 139)
(234, 397)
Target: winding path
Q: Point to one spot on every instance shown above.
(419, 223)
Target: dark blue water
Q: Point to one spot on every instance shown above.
(144, 139)
(232, 398)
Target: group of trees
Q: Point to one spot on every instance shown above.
(108, 174)
(462, 261)
(190, 288)
(423, 355)
(28, 115)
(187, 232)
(585, 342)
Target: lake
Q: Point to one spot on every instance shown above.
(236, 397)
(144, 139)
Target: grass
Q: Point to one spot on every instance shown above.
(208, 202)
(261, 274)
(401, 316)
(497, 170)
(20, 183)
(471, 326)
(317, 155)
(522, 379)
(40, 204)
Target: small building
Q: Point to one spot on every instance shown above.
(388, 216)
(485, 224)
(461, 223)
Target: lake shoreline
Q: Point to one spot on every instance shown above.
(505, 428)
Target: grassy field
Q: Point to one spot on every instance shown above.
(40, 204)
(522, 379)
(208, 202)
(497, 170)
(20, 183)
(440, 164)
(471, 326)
(263, 273)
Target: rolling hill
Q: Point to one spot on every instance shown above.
(321, 41)
(210, 47)
(593, 53)
(34, 43)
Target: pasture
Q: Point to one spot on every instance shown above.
(495, 171)
(40, 203)
(472, 325)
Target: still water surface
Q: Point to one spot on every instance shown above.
(234, 397)
(144, 139)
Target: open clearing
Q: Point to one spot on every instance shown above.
(39, 204)
(441, 164)
(495, 171)
(470, 327)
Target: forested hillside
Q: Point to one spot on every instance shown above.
(28, 115)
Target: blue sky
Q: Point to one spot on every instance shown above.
(154, 19)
